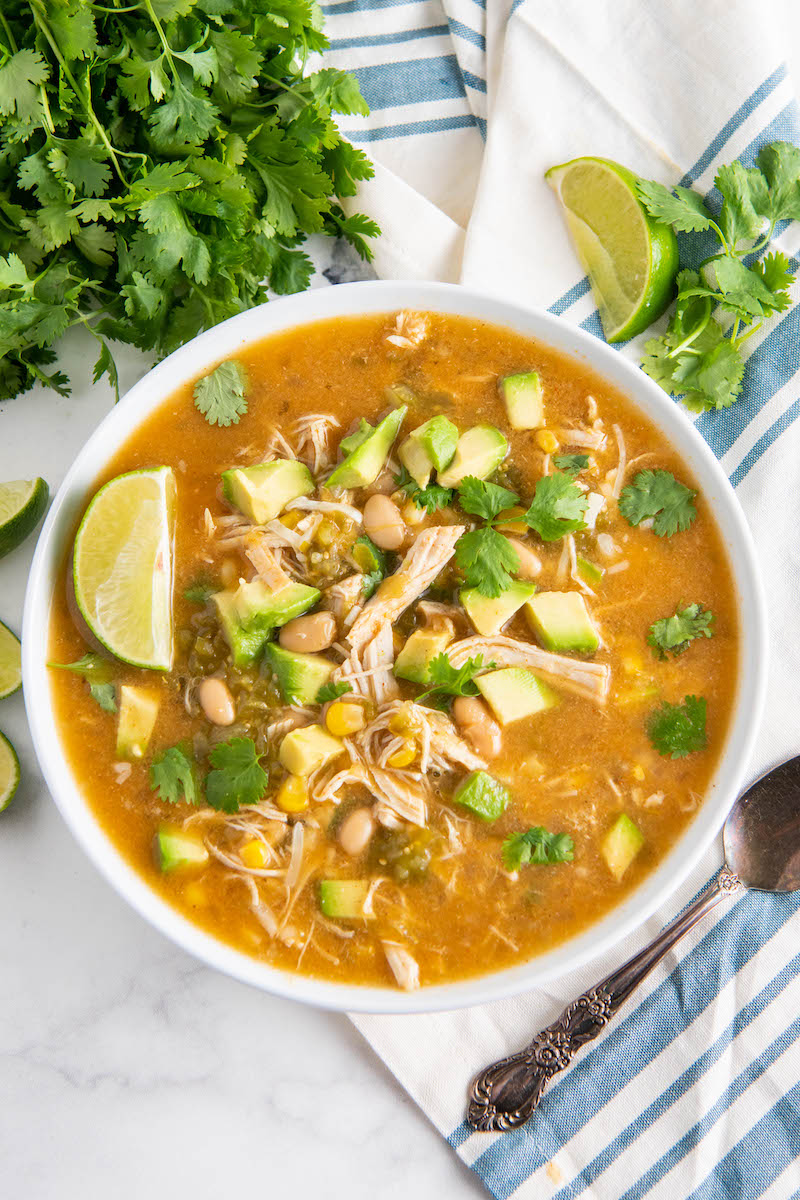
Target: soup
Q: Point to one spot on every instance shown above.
(451, 652)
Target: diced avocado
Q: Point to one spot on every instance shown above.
(364, 464)
(561, 622)
(414, 660)
(523, 396)
(512, 520)
(250, 613)
(590, 571)
(428, 448)
(138, 709)
(621, 844)
(262, 491)
(367, 557)
(343, 898)
(479, 452)
(483, 796)
(173, 848)
(304, 750)
(514, 693)
(490, 613)
(299, 676)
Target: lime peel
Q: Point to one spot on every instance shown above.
(9, 772)
(22, 506)
(10, 662)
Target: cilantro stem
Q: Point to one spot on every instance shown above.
(9, 34)
(84, 98)
(753, 329)
(764, 240)
(684, 345)
(162, 38)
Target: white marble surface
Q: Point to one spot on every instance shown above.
(127, 1069)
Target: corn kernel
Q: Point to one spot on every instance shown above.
(403, 757)
(343, 718)
(254, 853)
(292, 795)
(546, 440)
(195, 894)
(637, 771)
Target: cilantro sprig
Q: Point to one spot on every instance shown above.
(487, 559)
(173, 776)
(431, 498)
(220, 395)
(536, 846)
(162, 165)
(698, 358)
(557, 507)
(98, 673)
(678, 729)
(571, 464)
(332, 691)
(672, 635)
(237, 777)
(446, 680)
(658, 495)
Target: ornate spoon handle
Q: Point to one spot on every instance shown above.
(505, 1094)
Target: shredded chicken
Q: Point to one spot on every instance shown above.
(266, 562)
(410, 329)
(403, 966)
(587, 679)
(313, 437)
(401, 794)
(621, 465)
(342, 597)
(592, 439)
(380, 653)
(328, 506)
(430, 553)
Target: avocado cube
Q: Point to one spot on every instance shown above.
(561, 622)
(621, 844)
(523, 398)
(250, 613)
(414, 660)
(590, 571)
(364, 463)
(343, 899)
(138, 709)
(299, 676)
(429, 448)
(262, 491)
(483, 796)
(174, 848)
(490, 613)
(479, 452)
(304, 750)
(514, 693)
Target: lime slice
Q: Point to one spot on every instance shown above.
(122, 567)
(631, 260)
(10, 662)
(22, 505)
(9, 772)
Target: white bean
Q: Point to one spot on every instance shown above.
(383, 523)
(356, 830)
(530, 565)
(216, 701)
(309, 634)
(478, 726)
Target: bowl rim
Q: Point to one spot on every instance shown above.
(350, 300)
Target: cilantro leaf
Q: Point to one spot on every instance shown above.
(658, 494)
(104, 694)
(780, 163)
(20, 77)
(431, 498)
(557, 507)
(487, 559)
(678, 729)
(237, 778)
(332, 691)
(200, 592)
(370, 583)
(92, 667)
(679, 207)
(738, 218)
(220, 395)
(673, 634)
(537, 846)
(571, 464)
(172, 775)
(484, 499)
(447, 680)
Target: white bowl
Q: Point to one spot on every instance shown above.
(351, 299)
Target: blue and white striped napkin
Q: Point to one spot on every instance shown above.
(696, 1090)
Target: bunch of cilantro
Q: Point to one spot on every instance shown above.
(700, 357)
(161, 163)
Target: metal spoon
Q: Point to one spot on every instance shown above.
(762, 851)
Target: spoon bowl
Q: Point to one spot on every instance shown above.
(762, 832)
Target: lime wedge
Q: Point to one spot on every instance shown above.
(10, 662)
(122, 567)
(22, 505)
(9, 772)
(631, 260)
